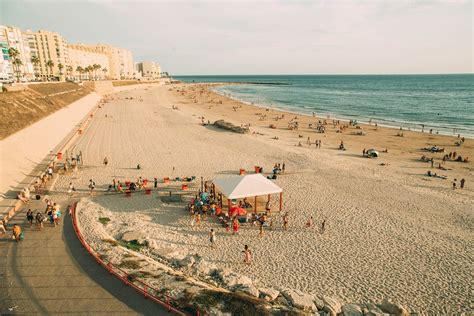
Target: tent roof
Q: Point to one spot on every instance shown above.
(245, 186)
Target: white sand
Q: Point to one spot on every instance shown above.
(389, 233)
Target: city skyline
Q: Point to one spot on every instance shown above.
(269, 37)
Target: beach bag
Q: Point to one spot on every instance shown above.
(22, 235)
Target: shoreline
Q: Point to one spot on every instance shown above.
(406, 125)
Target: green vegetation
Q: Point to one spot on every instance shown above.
(104, 220)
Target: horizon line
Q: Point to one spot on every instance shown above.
(326, 74)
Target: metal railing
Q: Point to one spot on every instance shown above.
(149, 292)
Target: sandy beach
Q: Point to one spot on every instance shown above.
(391, 231)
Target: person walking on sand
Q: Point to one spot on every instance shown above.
(285, 221)
(212, 238)
(106, 161)
(30, 217)
(323, 226)
(156, 183)
(310, 222)
(235, 226)
(71, 189)
(247, 255)
(462, 183)
(454, 184)
(283, 168)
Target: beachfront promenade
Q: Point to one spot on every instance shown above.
(51, 273)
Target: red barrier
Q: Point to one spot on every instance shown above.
(141, 287)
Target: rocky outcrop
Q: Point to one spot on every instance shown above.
(332, 306)
(231, 127)
(268, 294)
(393, 308)
(351, 310)
(300, 300)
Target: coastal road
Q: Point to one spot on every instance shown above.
(50, 273)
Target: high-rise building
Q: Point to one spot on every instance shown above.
(13, 37)
(51, 50)
(149, 69)
(120, 61)
(84, 56)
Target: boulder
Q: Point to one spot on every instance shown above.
(351, 310)
(231, 127)
(235, 279)
(331, 306)
(188, 261)
(138, 236)
(202, 267)
(249, 290)
(272, 294)
(300, 300)
(393, 308)
(318, 302)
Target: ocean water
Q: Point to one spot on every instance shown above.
(444, 103)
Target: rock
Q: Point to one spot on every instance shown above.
(351, 310)
(282, 300)
(234, 279)
(231, 127)
(188, 261)
(373, 310)
(249, 290)
(394, 309)
(331, 306)
(138, 236)
(202, 267)
(272, 294)
(300, 300)
(318, 302)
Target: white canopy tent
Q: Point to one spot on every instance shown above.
(247, 186)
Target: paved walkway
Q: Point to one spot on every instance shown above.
(51, 273)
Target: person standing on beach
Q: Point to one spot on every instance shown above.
(106, 161)
(462, 183)
(247, 255)
(310, 222)
(212, 238)
(156, 183)
(235, 226)
(91, 186)
(2, 227)
(71, 189)
(50, 172)
(454, 184)
(283, 168)
(323, 226)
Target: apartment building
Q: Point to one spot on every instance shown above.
(13, 37)
(83, 56)
(52, 52)
(149, 70)
(120, 61)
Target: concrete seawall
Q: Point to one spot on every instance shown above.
(23, 151)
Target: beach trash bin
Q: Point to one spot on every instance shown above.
(128, 193)
(166, 180)
(257, 169)
(241, 171)
(127, 183)
(148, 191)
(59, 156)
(184, 187)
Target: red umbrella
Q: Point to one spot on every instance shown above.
(237, 211)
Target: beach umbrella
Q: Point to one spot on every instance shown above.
(237, 211)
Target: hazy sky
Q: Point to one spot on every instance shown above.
(267, 37)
